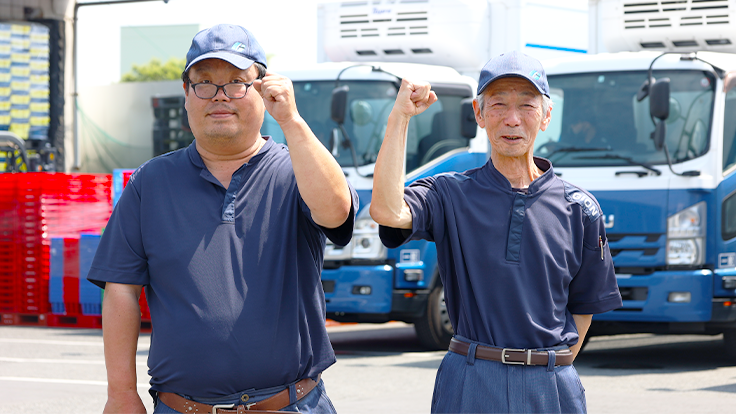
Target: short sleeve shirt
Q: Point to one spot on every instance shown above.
(515, 266)
(232, 275)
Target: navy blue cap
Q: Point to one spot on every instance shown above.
(514, 64)
(231, 43)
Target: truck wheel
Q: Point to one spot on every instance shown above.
(434, 328)
(729, 343)
(585, 343)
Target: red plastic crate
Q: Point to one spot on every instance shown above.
(33, 208)
(24, 319)
(71, 276)
(143, 302)
(74, 321)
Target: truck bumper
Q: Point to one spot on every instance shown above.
(343, 293)
(347, 302)
(662, 297)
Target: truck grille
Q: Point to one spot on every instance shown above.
(637, 251)
(675, 13)
(401, 22)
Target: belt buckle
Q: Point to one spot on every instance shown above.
(223, 406)
(528, 356)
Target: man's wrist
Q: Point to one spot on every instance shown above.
(399, 117)
(122, 383)
(122, 391)
(294, 123)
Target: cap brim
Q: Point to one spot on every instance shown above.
(234, 59)
(512, 75)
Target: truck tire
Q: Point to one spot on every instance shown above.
(434, 328)
(585, 343)
(729, 343)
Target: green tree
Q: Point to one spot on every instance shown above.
(155, 71)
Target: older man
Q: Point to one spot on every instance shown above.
(522, 254)
(228, 237)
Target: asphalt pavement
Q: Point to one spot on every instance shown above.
(382, 368)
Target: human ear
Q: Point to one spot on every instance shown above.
(478, 116)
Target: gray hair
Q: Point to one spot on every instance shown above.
(546, 102)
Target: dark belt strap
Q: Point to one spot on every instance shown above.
(513, 356)
(269, 405)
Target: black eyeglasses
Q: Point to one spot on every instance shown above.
(233, 90)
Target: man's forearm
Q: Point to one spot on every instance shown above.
(121, 321)
(319, 177)
(582, 322)
(387, 203)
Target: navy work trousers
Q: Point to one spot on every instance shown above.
(465, 384)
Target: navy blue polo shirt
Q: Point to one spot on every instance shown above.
(515, 266)
(232, 276)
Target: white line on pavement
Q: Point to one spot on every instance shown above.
(61, 361)
(62, 381)
(49, 342)
(142, 345)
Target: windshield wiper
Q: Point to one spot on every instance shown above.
(576, 149)
(631, 161)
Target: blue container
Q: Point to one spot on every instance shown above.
(56, 276)
(89, 293)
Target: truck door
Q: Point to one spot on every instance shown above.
(726, 200)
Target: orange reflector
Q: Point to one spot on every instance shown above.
(409, 295)
(727, 303)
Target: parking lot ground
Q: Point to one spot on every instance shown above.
(382, 368)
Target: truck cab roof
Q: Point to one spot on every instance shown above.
(622, 61)
(329, 71)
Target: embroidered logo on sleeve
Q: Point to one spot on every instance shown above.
(135, 173)
(590, 207)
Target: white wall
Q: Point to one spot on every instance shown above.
(116, 124)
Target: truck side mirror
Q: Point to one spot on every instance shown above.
(339, 104)
(185, 118)
(659, 99)
(659, 108)
(468, 127)
(643, 91)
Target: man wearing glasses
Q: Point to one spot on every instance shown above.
(228, 236)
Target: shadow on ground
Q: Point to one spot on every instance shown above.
(640, 354)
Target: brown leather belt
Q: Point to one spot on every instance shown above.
(269, 405)
(513, 356)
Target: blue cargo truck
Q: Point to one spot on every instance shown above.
(668, 201)
(660, 159)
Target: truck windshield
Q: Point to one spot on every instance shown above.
(597, 121)
(431, 134)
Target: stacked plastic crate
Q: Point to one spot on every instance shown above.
(35, 209)
(8, 244)
(82, 208)
(5, 75)
(33, 245)
(89, 294)
(38, 67)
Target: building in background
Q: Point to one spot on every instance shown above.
(140, 44)
(116, 122)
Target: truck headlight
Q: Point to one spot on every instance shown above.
(366, 243)
(686, 236)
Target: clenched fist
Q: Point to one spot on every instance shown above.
(413, 98)
(278, 96)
